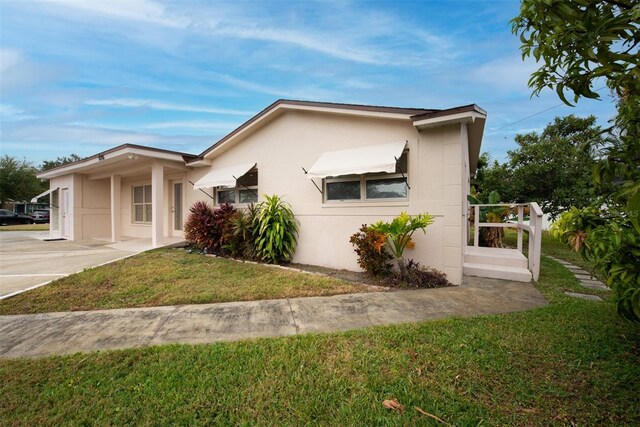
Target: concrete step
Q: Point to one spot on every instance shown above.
(516, 274)
(495, 256)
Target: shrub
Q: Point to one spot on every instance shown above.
(221, 227)
(197, 228)
(240, 241)
(208, 228)
(399, 232)
(420, 277)
(275, 230)
(373, 257)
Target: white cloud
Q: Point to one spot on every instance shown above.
(9, 58)
(9, 113)
(201, 125)
(507, 74)
(136, 10)
(166, 106)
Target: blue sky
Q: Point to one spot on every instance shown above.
(83, 76)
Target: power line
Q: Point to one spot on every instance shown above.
(533, 115)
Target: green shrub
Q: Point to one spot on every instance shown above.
(275, 230)
(373, 256)
(399, 232)
(240, 241)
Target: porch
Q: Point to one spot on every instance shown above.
(506, 263)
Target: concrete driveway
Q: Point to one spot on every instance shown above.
(27, 261)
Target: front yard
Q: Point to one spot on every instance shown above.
(25, 227)
(172, 277)
(570, 363)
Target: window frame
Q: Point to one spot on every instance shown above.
(144, 204)
(363, 178)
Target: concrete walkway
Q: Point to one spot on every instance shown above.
(586, 279)
(63, 333)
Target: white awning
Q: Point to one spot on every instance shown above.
(41, 195)
(356, 161)
(223, 177)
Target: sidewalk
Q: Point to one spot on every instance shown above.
(37, 335)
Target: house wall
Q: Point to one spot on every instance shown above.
(66, 181)
(297, 138)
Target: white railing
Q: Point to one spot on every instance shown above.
(534, 228)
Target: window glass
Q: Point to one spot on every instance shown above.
(248, 196)
(393, 188)
(138, 194)
(346, 190)
(147, 213)
(147, 194)
(226, 196)
(139, 213)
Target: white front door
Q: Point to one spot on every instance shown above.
(177, 219)
(65, 225)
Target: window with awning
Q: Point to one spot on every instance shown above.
(371, 173)
(235, 184)
(378, 158)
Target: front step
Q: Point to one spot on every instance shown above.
(516, 274)
(495, 256)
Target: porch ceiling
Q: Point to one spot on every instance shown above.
(126, 167)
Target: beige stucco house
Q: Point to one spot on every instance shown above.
(338, 165)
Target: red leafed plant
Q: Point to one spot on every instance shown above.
(207, 228)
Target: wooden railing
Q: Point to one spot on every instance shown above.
(534, 228)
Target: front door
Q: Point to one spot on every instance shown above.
(176, 208)
(66, 213)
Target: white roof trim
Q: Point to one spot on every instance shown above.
(41, 195)
(225, 177)
(356, 161)
(464, 117)
(100, 158)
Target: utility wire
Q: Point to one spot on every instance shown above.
(533, 115)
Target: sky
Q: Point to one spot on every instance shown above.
(79, 76)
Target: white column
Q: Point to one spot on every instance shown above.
(116, 212)
(157, 201)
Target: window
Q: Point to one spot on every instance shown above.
(142, 204)
(246, 190)
(379, 186)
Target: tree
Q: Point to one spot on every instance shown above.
(18, 180)
(60, 161)
(579, 42)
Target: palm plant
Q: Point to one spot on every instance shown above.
(399, 232)
(275, 230)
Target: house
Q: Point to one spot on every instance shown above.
(338, 165)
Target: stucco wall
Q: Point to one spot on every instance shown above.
(296, 139)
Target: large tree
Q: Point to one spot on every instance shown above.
(18, 181)
(580, 43)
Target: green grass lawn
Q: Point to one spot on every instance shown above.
(573, 362)
(25, 227)
(172, 277)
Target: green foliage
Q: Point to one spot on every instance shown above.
(240, 242)
(553, 168)
(373, 257)
(577, 43)
(60, 161)
(489, 236)
(275, 230)
(609, 240)
(18, 180)
(399, 232)
(209, 229)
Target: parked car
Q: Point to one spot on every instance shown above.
(40, 216)
(8, 217)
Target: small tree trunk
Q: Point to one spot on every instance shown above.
(404, 274)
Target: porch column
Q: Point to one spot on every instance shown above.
(157, 204)
(116, 212)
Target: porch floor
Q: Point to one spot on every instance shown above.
(134, 244)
